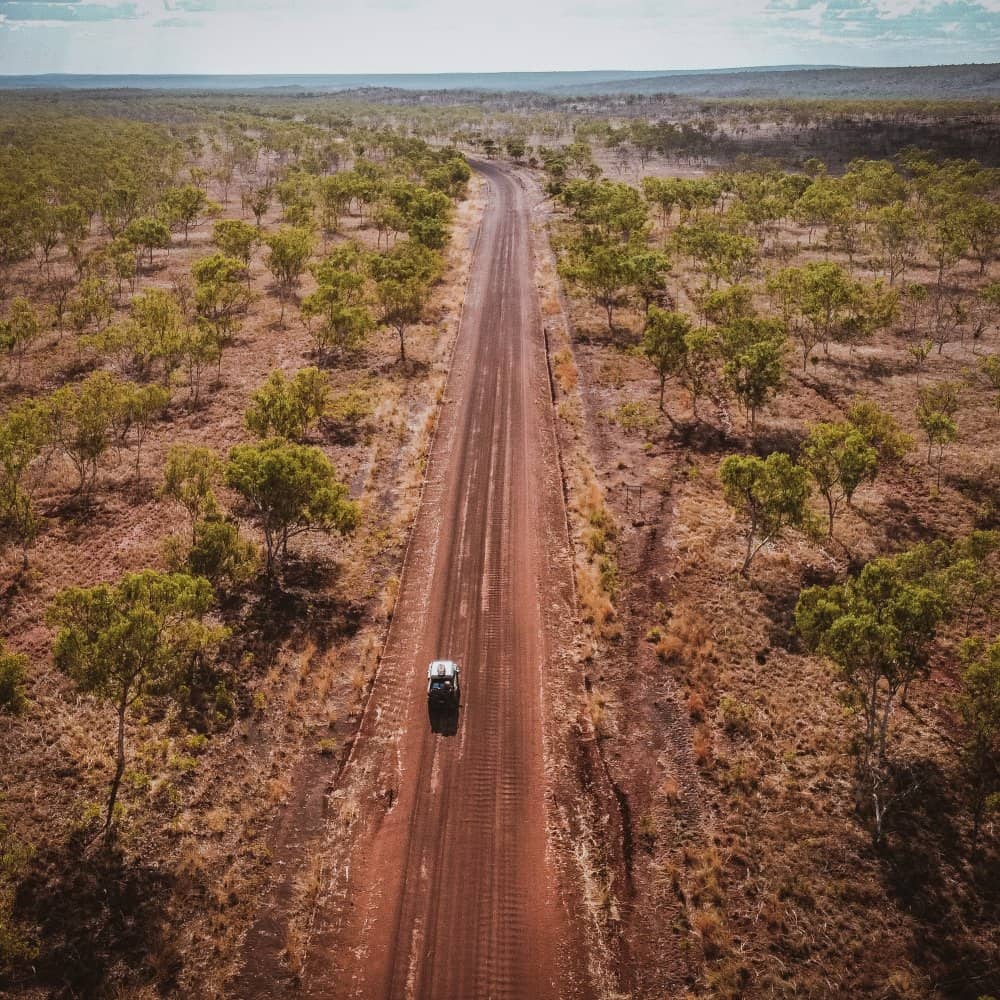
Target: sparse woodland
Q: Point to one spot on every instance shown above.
(793, 628)
(223, 342)
(224, 327)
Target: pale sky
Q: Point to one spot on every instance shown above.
(415, 36)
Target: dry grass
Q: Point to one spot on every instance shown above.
(278, 790)
(389, 594)
(218, 819)
(565, 370)
(294, 942)
(598, 711)
(728, 736)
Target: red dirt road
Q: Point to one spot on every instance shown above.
(454, 887)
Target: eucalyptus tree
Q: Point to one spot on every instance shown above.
(753, 353)
(839, 458)
(877, 628)
(289, 250)
(771, 494)
(121, 642)
(403, 278)
(664, 344)
(289, 489)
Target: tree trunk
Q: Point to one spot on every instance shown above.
(751, 552)
(269, 546)
(119, 764)
(748, 556)
(977, 819)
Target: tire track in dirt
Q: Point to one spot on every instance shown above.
(451, 885)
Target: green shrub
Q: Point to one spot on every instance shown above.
(735, 715)
(635, 416)
(220, 554)
(13, 667)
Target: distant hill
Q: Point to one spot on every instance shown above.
(327, 81)
(917, 82)
(501, 82)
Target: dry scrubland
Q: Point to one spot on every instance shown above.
(748, 865)
(740, 856)
(213, 750)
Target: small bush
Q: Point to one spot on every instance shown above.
(596, 541)
(13, 668)
(597, 709)
(220, 554)
(710, 928)
(670, 648)
(352, 408)
(182, 764)
(288, 408)
(648, 830)
(702, 745)
(735, 716)
(634, 416)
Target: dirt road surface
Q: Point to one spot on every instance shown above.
(454, 887)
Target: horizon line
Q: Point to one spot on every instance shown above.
(777, 67)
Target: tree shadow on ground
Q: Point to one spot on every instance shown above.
(74, 369)
(924, 867)
(702, 437)
(619, 338)
(99, 917)
(11, 390)
(345, 433)
(855, 369)
(83, 512)
(982, 491)
(301, 603)
(781, 594)
(408, 369)
(336, 361)
(19, 582)
(771, 439)
(903, 526)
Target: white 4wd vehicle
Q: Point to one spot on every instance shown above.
(443, 685)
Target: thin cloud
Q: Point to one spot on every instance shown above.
(358, 36)
(66, 10)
